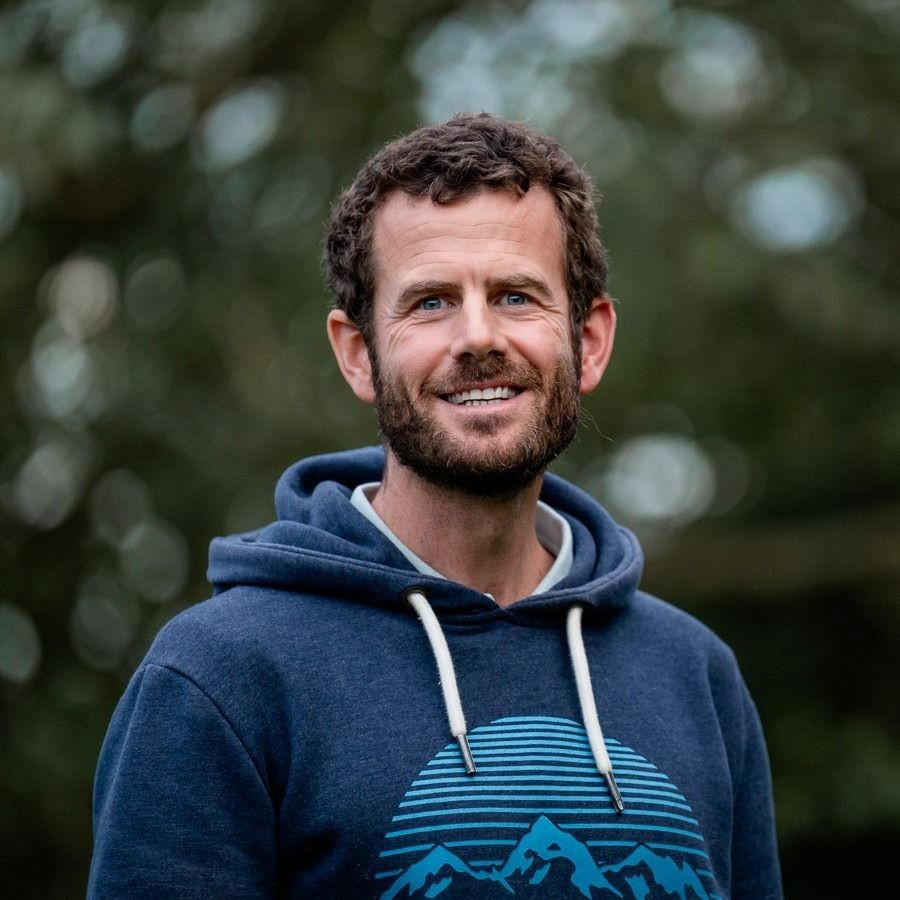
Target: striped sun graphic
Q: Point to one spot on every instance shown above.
(537, 821)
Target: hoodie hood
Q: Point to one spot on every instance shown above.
(321, 544)
(345, 726)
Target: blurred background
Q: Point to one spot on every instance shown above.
(165, 170)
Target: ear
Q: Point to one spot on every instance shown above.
(597, 335)
(352, 355)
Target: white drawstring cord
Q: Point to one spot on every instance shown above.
(445, 673)
(452, 702)
(588, 706)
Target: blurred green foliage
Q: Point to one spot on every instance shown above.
(165, 169)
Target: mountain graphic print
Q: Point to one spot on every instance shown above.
(537, 821)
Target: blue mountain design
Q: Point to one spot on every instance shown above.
(542, 847)
(676, 880)
(431, 875)
(551, 862)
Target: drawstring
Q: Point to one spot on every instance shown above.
(582, 681)
(446, 675)
(588, 706)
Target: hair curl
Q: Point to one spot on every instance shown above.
(449, 162)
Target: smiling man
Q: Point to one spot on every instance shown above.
(475, 366)
(303, 734)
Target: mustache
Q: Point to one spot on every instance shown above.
(468, 371)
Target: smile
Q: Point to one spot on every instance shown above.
(482, 396)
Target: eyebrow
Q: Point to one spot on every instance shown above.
(423, 289)
(513, 282)
(523, 282)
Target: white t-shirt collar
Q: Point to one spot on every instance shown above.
(553, 532)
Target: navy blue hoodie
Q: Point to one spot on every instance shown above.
(288, 737)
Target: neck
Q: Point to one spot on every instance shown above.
(487, 544)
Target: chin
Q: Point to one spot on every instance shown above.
(484, 482)
(494, 473)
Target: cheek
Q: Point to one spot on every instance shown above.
(549, 344)
(410, 349)
(394, 338)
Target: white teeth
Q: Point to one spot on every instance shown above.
(480, 396)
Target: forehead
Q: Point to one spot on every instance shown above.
(490, 229)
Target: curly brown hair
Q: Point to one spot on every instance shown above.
(451, 161)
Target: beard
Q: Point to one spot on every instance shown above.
(449, 461)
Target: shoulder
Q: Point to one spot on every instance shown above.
(661, 616)
(686, 665)
(667, 633)
(216, 640)
(233, 650)
(257, 633)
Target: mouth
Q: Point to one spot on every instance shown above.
(487, 396)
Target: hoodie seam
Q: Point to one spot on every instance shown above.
(351, 562)
(557, 594)
(221, 712)
(346, 561)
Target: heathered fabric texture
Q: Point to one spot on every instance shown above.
(288, 737)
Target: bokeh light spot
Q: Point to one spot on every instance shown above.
(660, 479)
(592, 27)
(103, 622)
(83, 292)
(50, 483)
(154, 560)
(67, 379)
(240, 125)
(716, 70)
(118, 501)
(190, 38)
(163, 117)
(155, 293)
(95, 50)
(474, 60)
(798, 207)
(20, 645)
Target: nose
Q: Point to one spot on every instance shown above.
(478, 333)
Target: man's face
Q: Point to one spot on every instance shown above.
(476, 376)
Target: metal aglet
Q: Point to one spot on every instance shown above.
(469, 761)
(617, 801)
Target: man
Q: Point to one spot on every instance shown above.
(290, 738)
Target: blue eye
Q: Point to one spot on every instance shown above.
(513, 298)
(432, 303)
